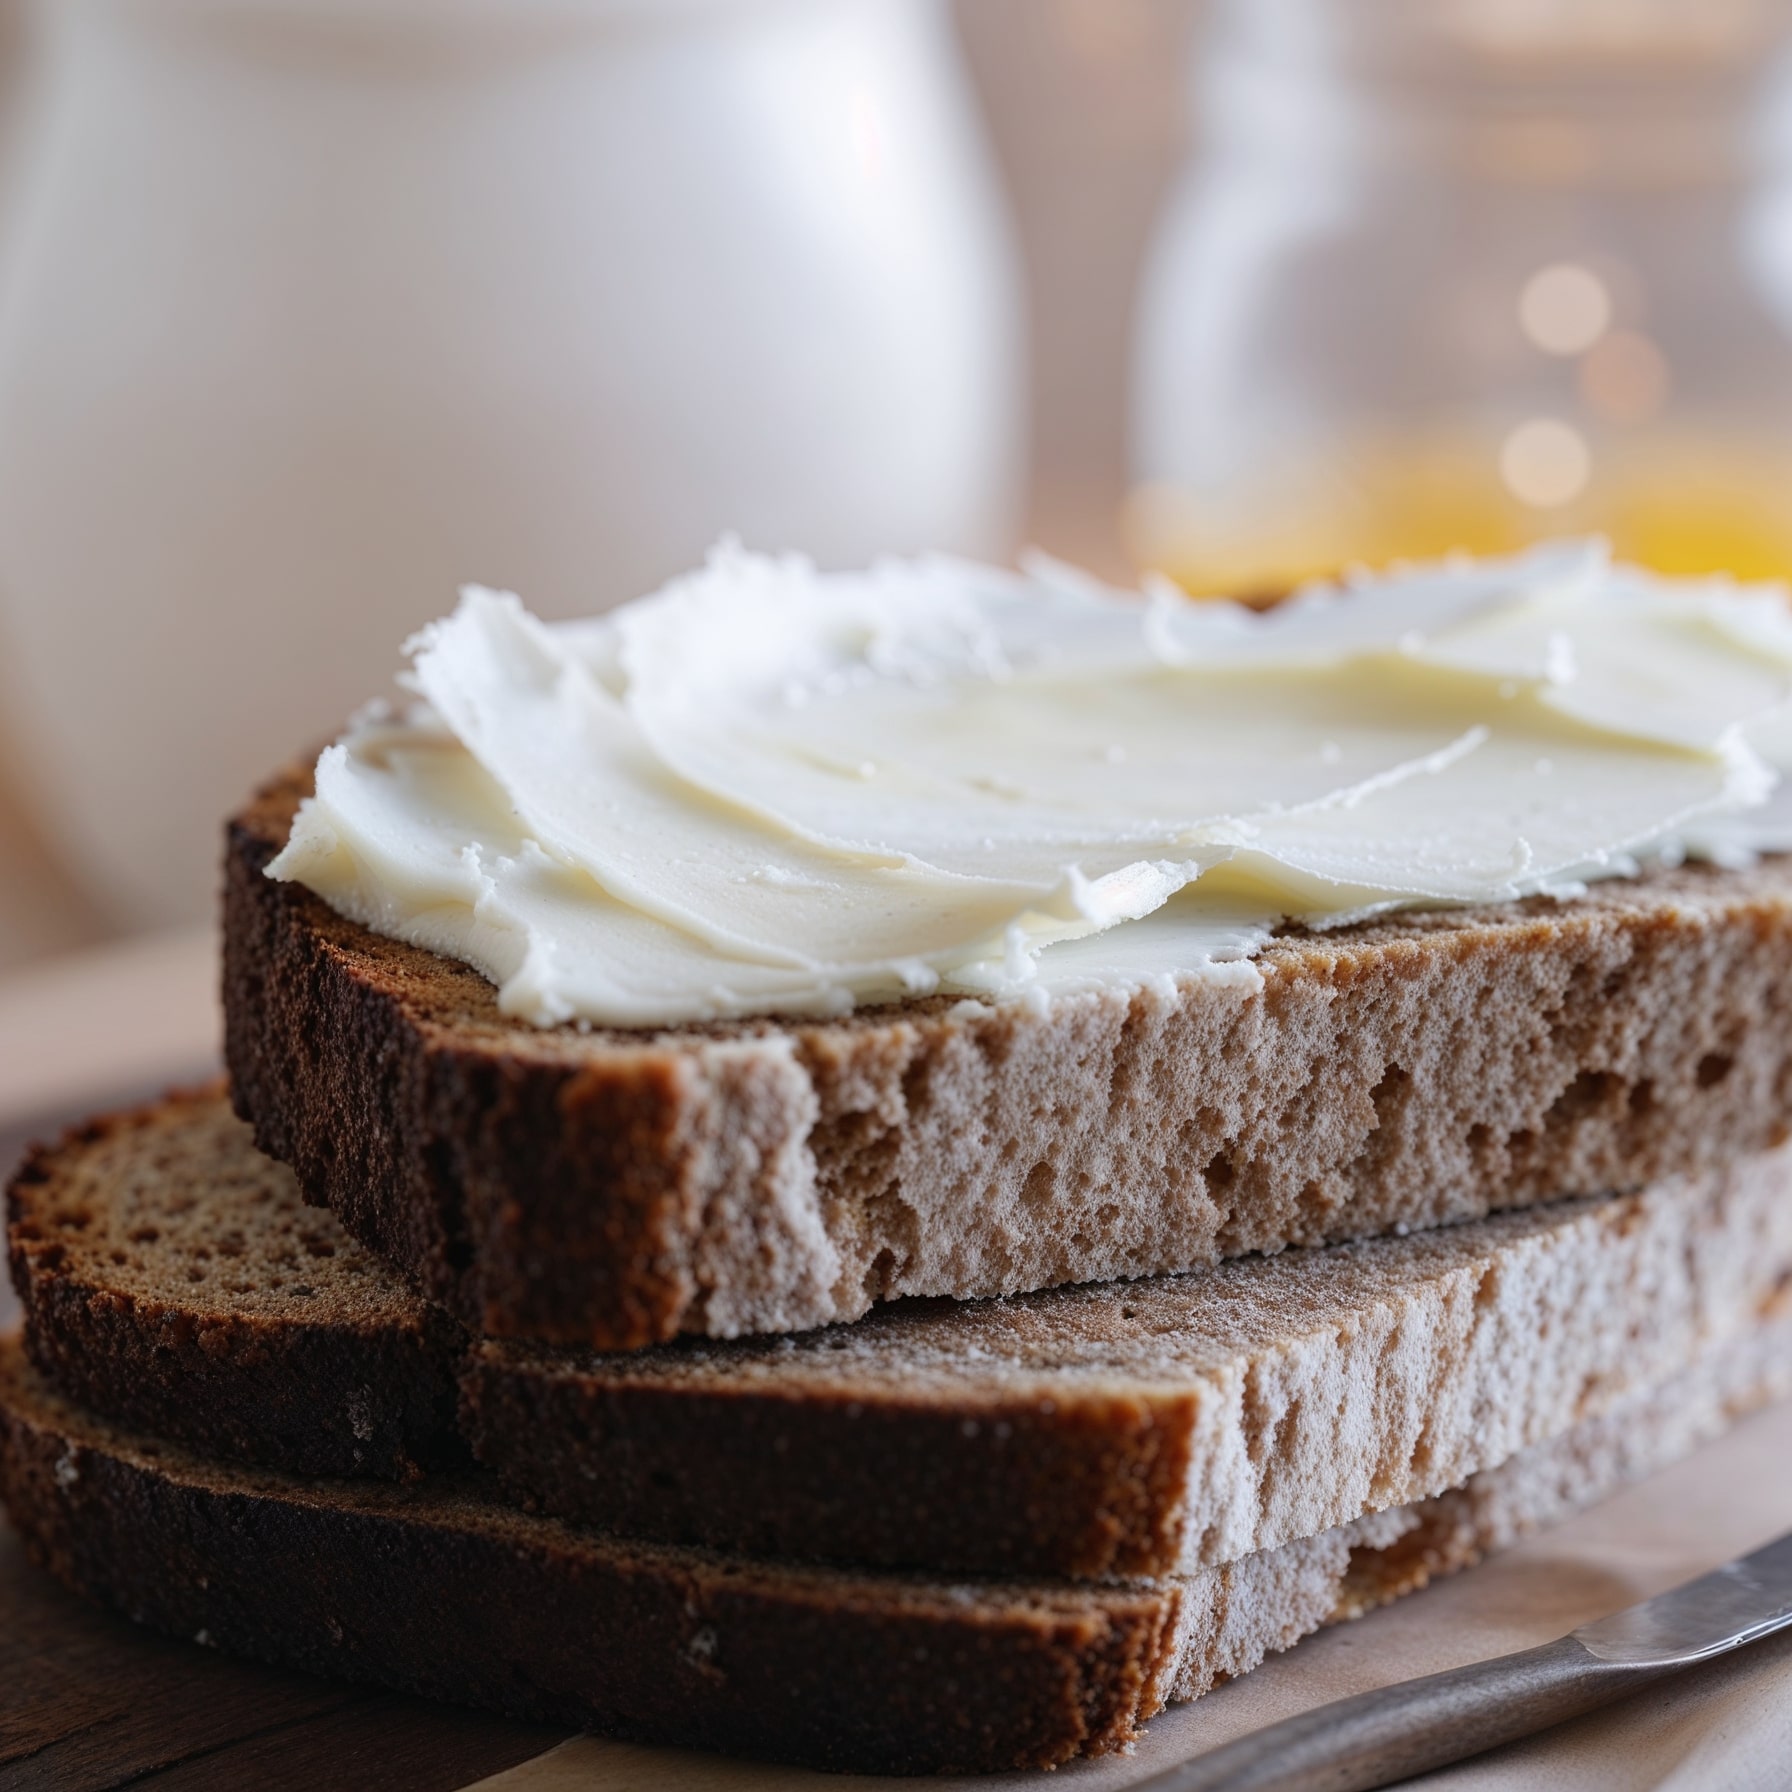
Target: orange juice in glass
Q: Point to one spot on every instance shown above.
(1470, 274)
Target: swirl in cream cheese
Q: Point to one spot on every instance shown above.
(768, 790)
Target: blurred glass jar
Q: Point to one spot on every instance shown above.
(316, 308)
(1467, 273)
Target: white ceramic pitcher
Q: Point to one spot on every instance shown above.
(316, 308)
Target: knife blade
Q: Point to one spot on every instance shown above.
(1380, 1737)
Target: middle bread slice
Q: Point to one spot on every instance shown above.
(174, 1280)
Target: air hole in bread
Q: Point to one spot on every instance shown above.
(1041, 1183)
(1778, 1297)
(1590, 1090)
(1423, 1450)
(1388, 1095)
(1713, 1068)
(1312, 1206)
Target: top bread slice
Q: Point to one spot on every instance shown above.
(617, 1188)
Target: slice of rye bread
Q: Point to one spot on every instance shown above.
(617, 1188)
(1144, 1428)
(171, 1276)
(439, 1589)
(1131, 1429)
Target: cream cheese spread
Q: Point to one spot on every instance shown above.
(770, 790)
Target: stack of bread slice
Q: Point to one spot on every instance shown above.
(944, 1387)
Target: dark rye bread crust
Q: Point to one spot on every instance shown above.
(440, 1590)
(1135, 1428)
(354, 1375)
(168, 1280)
(616, 1189)
(1082, 1489)
(444, 1591)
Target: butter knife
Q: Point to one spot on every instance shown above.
(1380, 1737)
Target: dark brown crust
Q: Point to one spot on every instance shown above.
(1079, 1489)
(1083, 1490)
(373, 1396)
(442, 1592)
(425, 1135)
(440, 1589)
(615, 1189)
(1134, 1428)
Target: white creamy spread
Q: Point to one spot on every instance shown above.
(768, 790)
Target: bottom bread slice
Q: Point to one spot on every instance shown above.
(442, 1589)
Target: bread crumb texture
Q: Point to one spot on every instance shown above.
(440, 1590)
(1122, 1429)
(619, 1188)
(172, 1274)
(1144, 1427)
